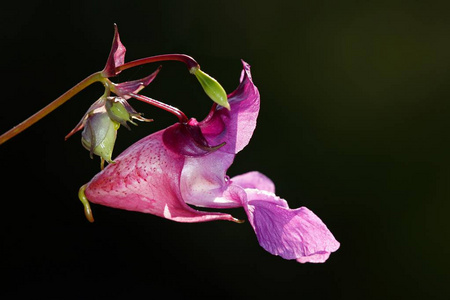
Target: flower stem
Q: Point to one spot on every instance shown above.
(51, 107)
(189, 61)
(175, 111)
(97, 77)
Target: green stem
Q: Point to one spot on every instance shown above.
(51, 107)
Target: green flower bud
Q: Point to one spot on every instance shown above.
(211, 87)
(99, 135)
(117, 110)
(121, 112)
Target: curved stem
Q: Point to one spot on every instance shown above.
(175, 111)
(189, 61)
(50, 107)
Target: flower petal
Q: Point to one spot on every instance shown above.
(145, 178)
(203, 179)
(204, 182)
(290, 233)
(187, 139)
(254, 180)
(234, 127)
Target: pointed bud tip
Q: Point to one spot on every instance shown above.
(227, 106)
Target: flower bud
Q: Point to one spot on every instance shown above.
(211, 87)
(121, 112)
(99, 135)
(117, 112)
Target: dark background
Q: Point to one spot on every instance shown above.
(353, 125)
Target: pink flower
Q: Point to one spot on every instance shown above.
(187, 164)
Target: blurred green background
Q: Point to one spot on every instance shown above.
(353, 125)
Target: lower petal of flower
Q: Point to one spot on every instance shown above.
(315, 258)
(254, 180)
(290, 233)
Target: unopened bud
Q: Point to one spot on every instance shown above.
(120, 111)
(99, 135)
(211, 87)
